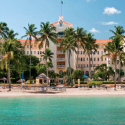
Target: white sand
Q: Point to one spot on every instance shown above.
(69, 92)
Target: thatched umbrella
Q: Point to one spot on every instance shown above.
(3, 79)
(21, 80)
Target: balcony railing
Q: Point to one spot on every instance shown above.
(60, 52)
(58, 44)
(60, 59)
(61, 66)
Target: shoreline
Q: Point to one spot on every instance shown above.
(68, 93)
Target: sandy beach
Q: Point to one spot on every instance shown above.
(69, 92)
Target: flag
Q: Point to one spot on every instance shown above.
(62, 2)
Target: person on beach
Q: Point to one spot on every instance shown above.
(23, 84)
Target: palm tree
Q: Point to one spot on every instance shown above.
(3, 29)
(41, 68)
(11, 34)
(119, 32)
(68, 45)
(30, 33)
(47, 32)
(80, 37)
(47, 56)
(105, 70)
(10, 49)
(89, 46)
(113, 49)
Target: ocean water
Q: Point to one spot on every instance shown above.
(62, 111)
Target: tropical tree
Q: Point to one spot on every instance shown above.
(77, 74)
(119, 32)
(10, 49)
(89, 46)
(113, 48)
(47, 34)
(3, 29)
(30, 34)
(80, 38)
(41, 68)
(47, 56)
(68, 45)
(104, 71)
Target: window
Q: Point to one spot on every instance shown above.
(102, 52)
(94, 52)
(90, 59)
(27, 46)
(31, 52)
(105, 59)
(81, 59)
(34, 52)
(81, 52)
(60, 25)
(87, 65)
(31, 46)
(102, 59)
(94, 59)
(38, 52)
(34, 46)
(24, 46)
(87, 59)
(98, 52)
(60, 34)
(98, 59)
(27, 52)
(40, 59)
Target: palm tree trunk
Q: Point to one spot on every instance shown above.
(115, 72)
(77, 58)
(70, 66)
(89, 66)
(92, 62)
(120, 70)
(30, 60)
(9, 80)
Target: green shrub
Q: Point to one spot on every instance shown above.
(81, 82)
(111, 82)
(94, 83)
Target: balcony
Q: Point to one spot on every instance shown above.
(60, 66)
(60, 52)
(58, 44)
(60, 59)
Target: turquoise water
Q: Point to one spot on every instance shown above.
(62, 111)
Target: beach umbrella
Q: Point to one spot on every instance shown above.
(21, 80)
(3, 79)
(84, 76)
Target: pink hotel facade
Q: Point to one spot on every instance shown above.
(60, 60)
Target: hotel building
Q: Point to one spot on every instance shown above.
(60, 59)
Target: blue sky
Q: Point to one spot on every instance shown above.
(96, 16)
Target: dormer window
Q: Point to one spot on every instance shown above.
(60, 25)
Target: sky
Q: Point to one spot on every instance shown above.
(96, 16)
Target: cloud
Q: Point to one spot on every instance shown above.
(111, 11)
(93, 30)
(109, 23)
